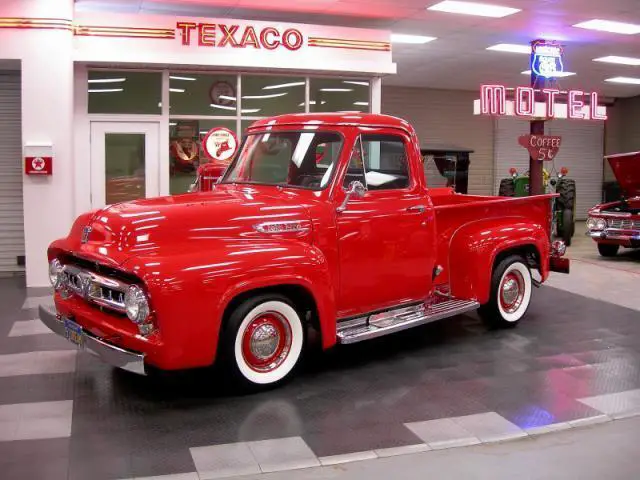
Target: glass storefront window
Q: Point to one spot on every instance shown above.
(338, 95)
(206, 95)
(186, 153)
(124, 167)
(125, 92)
(263, 96)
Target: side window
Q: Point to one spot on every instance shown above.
(355, 171)
(385, 162)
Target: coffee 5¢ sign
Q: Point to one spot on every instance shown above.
(220, 144)
(541, 147)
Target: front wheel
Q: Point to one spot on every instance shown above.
(568, 226)
(608, 250)
(262, 341)
(511, 288)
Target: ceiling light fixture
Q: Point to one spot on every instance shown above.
(610, 26)
(224, 107)
(312, 102)
(105, 90)
(473, 8)
(619, 60)
(626, 80)
(177, 90)
(259, 97)
(336, 89)
(106, 80)
(361, 104)
(510, 48)
(284, 85)
(415, 39)
(189, 79)
(558, 74)
(353, 82)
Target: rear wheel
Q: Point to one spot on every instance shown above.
(510, 295)
(567, 226)
(507, 188)
(567, 201)
(607, 250)
(262, 341)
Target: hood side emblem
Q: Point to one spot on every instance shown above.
(85, 234)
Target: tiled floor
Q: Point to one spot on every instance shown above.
(576, 360)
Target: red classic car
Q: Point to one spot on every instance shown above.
(350, 243)
(617, 224)
(208, 174)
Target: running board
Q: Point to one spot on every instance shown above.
(379, 324)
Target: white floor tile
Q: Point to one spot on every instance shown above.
(615, 404)
(221, 461)
(347, 457)
(33, 363)
(34, 421)
(35, 302)
(29, 327)
(404, 450)
(283, 454)
(489, 427)
(443, 431)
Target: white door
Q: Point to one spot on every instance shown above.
(125, 159)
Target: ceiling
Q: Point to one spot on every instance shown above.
(458, 58)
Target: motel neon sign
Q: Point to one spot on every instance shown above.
(522, 102)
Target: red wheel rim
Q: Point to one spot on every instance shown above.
(512, 291)
(266, 342)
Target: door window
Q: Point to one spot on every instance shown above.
(124, 167)
(385, 162)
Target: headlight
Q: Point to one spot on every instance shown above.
(55, 271)
(136, 304)
(596, 223)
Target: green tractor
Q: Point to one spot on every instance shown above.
(564, 206)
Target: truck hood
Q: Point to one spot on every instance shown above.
(195, 220)
(626, 168)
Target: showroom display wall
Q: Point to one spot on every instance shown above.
(446, 117)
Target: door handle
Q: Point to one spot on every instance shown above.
(416, 209)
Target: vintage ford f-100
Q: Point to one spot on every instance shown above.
(321, 221)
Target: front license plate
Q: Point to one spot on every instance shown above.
(73, 332)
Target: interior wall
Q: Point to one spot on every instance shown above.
(446, 117)
(622, 130)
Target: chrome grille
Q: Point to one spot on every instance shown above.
(624, 224)
(103, 291)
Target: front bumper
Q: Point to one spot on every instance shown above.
(111, 354)
(625, 237)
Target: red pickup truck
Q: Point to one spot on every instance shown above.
(322, 221)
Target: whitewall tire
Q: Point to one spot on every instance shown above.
(511, 288)
(263, 341)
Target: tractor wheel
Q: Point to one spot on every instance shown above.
(567, 201)
(567, 226)
(507, 188)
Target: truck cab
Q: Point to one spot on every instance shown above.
(322, 221)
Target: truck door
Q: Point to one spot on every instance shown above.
(386, 237)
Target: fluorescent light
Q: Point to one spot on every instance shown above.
(353, 82)
(362, 104)
(473, 8)
(619, 60)
(105, 90)
(190, 79)
(173, 124)
(227, 97)
(257, 97)
(224, 107)
(628, 80)
(177, 90)
(312, 102)
(559, 74)
(609, 26)
(402, 38)
(284, 85)
(336, 89)
(511, 48)
(106, 80)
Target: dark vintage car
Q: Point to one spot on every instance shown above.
(617, 224)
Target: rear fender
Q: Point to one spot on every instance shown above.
(475, 246)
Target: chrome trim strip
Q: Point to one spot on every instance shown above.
(615, 234)
(94, 287)
(111, 354)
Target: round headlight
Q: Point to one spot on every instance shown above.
(596, 223)
(136, 304)
(55, 271)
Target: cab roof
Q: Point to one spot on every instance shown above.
(335, 119)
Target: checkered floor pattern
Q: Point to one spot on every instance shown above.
(65, 415)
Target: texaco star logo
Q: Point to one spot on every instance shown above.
(37, 163)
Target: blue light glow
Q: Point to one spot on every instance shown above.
(546, 59)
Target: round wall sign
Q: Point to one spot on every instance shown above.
(222, 93)
(220, 144)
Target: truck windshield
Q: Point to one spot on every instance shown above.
(295, 159)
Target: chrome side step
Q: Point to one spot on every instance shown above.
(377, 325)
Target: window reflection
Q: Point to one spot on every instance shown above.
(197, 94)
(335, 95)
(265, 96)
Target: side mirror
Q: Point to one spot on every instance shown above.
(356, 189)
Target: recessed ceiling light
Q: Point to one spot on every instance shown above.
(511, 48)
(619, 60)
(106, 80)
(284, 85)
(105, 90)
(473, 8)
(257, 97)
(559, 74)
(609, 26)
(353, 82)
(361, 104)
(402, 38)
(174, 77)
(177, 90)
(336, 89)
(628, 80)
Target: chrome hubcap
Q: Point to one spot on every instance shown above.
(510, 291)
(264, 341)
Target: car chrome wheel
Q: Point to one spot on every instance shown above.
(266, 342)
(512, 291)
